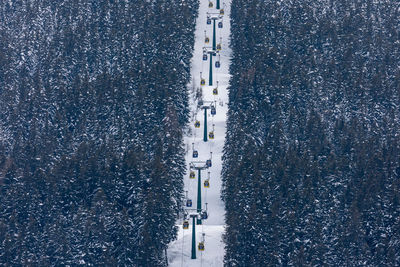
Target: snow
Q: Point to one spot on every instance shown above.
(179, 252)
(212, 256)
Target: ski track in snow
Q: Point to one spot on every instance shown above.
(179, 252)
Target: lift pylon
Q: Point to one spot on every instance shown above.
(199, 166)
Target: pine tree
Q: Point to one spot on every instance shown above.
(92, 106)
(313, 95)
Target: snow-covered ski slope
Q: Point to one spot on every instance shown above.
(179, 252)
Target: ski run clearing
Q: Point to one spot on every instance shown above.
(180, 251)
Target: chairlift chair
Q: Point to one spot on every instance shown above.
(208, 21)
(215, 91)
(221, 11)
(219, 47)
(211, 135)
(185, 225)
(207, 184)
(208, 163)
(213, 110)
(189, 203)
(192, 175)
(201, 246)
(207, 40)
(205, 57)
(220, 25)
(197, 124)
(204, 215)
(202, 82)
(210, 4)
(217, 64)
(195, 154)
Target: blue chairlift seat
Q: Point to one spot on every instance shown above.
(208, 163)
(213, 110)
(201, 246)
(204, 215)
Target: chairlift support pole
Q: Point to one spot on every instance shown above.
(205, 125)
(205, 107)
(199, 196)
(210, 75)
(218, 6)
(199, 169)
(193, 237)
(214, 17)
(214, 44)
(214, 48)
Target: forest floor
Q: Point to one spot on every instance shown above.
(179, 252)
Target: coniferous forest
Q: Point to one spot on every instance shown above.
(93, 101)
(312, 156)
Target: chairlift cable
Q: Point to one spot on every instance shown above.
(217, 59)
(183, 242)
(201, 259)
(202, 61)
(205, 193)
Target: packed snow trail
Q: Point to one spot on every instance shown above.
(180, 251)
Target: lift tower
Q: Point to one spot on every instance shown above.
(199, 166)
(211, 105)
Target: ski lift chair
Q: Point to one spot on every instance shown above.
(201, 246)
(204, 215)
